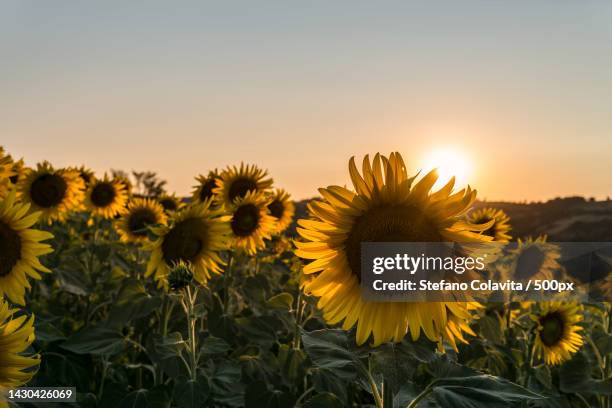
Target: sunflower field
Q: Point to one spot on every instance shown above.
(139, 298)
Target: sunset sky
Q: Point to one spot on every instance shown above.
(517, 94)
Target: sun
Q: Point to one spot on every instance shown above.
(449, 162)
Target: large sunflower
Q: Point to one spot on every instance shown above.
(196, 236)
(501, 223)
(55, 193)
(16, 335)
(386, 207)
(282, 209)
(557, 331)
(20, 248)
(250, 222)
(106, 198)
(170, 202)
(535, 258)
(236, 182)
(204, 190)
(141, 213)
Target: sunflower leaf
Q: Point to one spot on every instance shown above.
(484, 391)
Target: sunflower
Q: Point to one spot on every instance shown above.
(141, 213)
(204, 190)
(386, 207)
(196, 236)
(557, 331)
(282, 209)
(6, 173)
(16, 335)
(106, 198)
(236, 182)
(6, 165)
(251, 223)
(125, 182)
(534, 258)
(20, 248)
(501, 223)
(55, 193)
(85, 173)
(170, 202)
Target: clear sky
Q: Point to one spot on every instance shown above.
(520, 90)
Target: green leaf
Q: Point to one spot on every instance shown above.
(325, 400)
(395, 363)
(328, 349)
(491, 329)
(135, 399)
(133, 302)
(95, 340)
(482, 391)
(281, 301)
(325, 380)
(575, 377)
(213, 345)
(258, 395)
(542, 374)
(191, 394)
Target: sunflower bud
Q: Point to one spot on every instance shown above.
(180, 276)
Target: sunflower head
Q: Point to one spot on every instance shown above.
(501, 223)
(387, 205)
(557, 331)
(535, 258)
(106, 197)
(20, 248)
(180, 275)
(141, 213)
(125, 182)
(204, 190)
(282, 209)
(85, 173)
(251, 223)
(195, 235)
(170, 203)
(6, 165)
(16, 335)
(55, 193)
(236, 182)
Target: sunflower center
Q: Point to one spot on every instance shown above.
(10, 249)
(490, 232)
(245, 220)
(207, 189)
(553, 327)
(240, 187)
(103, 194)
(276, 208)
(140, 219)
(168, 204)
(48, 190)
(388, 224)
(185, 241)
(14, 179)
(529, 262)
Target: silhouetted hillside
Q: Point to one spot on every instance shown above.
(562, 219)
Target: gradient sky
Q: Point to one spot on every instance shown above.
(523, 89)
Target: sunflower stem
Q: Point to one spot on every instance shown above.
(226, 283)
(422, 395)
(299, 313)
(600, 360)
(375, 391)
(191, 326)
